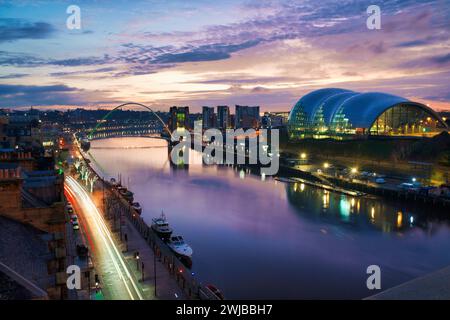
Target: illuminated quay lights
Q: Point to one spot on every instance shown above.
(399, 219)
(326, 199)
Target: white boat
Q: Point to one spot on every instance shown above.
(136, 206)
(177, 245)
(161, 226)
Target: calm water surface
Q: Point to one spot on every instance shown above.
(269, 239)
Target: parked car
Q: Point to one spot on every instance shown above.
(406, 186)
(410, 187)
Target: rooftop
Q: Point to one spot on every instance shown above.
(24, 249)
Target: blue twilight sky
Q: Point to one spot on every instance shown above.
(196, 53)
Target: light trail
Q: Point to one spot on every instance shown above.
(102, 230)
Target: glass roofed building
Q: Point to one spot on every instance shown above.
(340, 114)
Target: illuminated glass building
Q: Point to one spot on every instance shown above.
(179, 118)
(342, 114)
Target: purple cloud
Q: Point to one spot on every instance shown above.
(16, 29)
(28, 95)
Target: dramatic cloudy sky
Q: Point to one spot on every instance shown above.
(195, 53)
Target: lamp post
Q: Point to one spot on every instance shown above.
(97, 283)
(136, 255)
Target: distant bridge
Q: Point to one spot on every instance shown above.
(125, 131)
(93, 132)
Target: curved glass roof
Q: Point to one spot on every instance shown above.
(361, 109)
(312, 101)
(333, 103)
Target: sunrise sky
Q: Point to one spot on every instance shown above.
(195, 53)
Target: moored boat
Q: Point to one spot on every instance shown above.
(136, 206)
(215, 291)
(127, 194)
(179, 246)
(161, 227)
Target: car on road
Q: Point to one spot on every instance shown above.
(410, 187)
(75, 225)
(74, 218)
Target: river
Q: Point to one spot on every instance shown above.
(260, 238)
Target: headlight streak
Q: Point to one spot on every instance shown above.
(103, 231)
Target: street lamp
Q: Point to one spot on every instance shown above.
(326, 165)
(97, 282)
(354, 170)
(303, 156)
(136, 255)
(414, 179)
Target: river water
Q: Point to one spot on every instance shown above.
(256, 238)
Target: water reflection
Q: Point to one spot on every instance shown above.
(357, 212)
(262, 238)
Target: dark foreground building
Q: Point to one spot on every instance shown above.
(342, 114)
